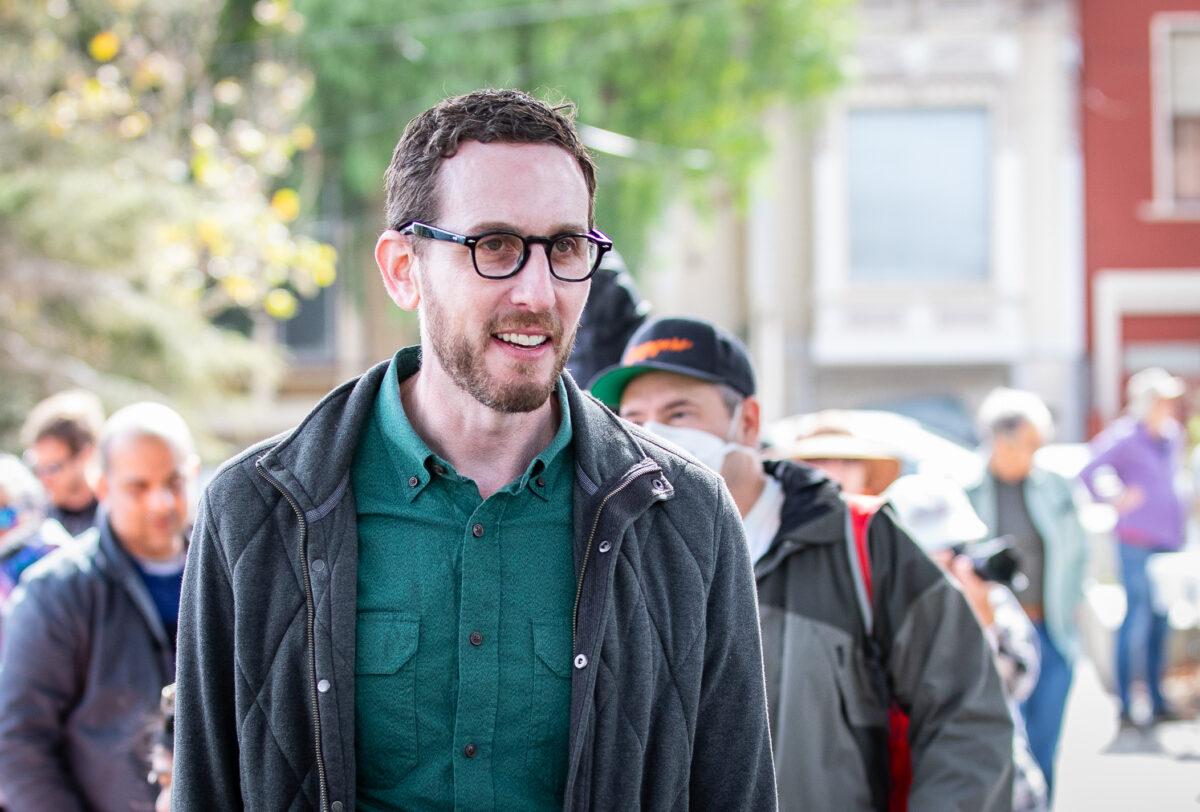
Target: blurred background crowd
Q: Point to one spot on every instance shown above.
(960, 238)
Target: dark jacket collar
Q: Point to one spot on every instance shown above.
(812, 511)
(312, 462)
(118, 565)
(606, 447)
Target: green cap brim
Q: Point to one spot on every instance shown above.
(609, 385)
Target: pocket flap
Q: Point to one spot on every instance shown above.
(552, 645)
(385, 642)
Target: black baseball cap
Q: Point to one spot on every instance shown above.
(688, 347)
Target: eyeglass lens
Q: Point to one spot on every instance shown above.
(571, 256)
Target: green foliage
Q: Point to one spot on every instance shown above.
(140, 195)
(687, 80)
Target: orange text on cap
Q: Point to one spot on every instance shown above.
(650, 349)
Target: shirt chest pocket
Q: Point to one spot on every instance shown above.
(385, 712)
(550, 703)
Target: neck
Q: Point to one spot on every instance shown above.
(156, 554)
(747, 485)
(78, 499)
(1007, 475)
(491, 448)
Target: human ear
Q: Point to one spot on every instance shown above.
(396, 257)
(100, 486)
(751, 422)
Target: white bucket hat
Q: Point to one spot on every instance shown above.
(935, 511)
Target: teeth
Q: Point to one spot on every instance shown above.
(522, 340)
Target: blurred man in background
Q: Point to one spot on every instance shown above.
(1133, 467)
(25, 533)
(693, 385)
(1035, 509)
(89, 637)
(60, 437)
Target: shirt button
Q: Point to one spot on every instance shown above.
(541, 482)
(318, 566)
(439, 470)
(414, 481)
(323, 686)
(476, 639)
(477, 531)
(581, 661)
(469, 751)
(605, 546)
(337, 806)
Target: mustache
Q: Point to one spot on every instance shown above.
(548, 323)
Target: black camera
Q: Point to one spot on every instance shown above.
(995, 560)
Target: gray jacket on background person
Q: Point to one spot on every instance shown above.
(84, 660)
(829, 700)
(667, 702)
(1053, 512)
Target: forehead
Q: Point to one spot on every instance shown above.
(50, 446)
(533, 186)
(654, 390)
(142, 455)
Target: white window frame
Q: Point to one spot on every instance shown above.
(1165, 206)
(830, 197)
(1119, 292)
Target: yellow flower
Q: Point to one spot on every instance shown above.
(286, 204)
(134, 125)
(324, 275)
(104, 46)
(240, 289)
(303, 137)
(209, 231)
(280, 304)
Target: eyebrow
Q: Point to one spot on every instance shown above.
(498, 225)
(675, 404)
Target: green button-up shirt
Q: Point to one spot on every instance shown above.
(464, 621)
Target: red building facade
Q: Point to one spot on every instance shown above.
(1141, 154)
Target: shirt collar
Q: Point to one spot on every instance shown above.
(418, 464)
(541, 472)
(413, 459)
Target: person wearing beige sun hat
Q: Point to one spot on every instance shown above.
(858, 464)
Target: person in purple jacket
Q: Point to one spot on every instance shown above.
(1140, 453)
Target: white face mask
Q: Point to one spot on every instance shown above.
(708, 448)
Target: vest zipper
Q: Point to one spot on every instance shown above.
(630, 477)
(310, 631)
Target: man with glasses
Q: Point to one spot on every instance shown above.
(461, 582)
(60, 437)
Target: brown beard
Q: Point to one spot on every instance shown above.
(464, 361)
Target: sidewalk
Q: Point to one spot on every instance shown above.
(1139, 771)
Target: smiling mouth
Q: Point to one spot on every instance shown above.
(522, 340)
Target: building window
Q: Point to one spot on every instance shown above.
(919, 194)
(1177, 111)
(1185, 114)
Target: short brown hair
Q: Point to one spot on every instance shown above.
(487, 116)
(73, 417)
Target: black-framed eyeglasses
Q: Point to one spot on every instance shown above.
(501, 254)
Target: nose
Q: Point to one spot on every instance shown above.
(533, 286)
(162, 500)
